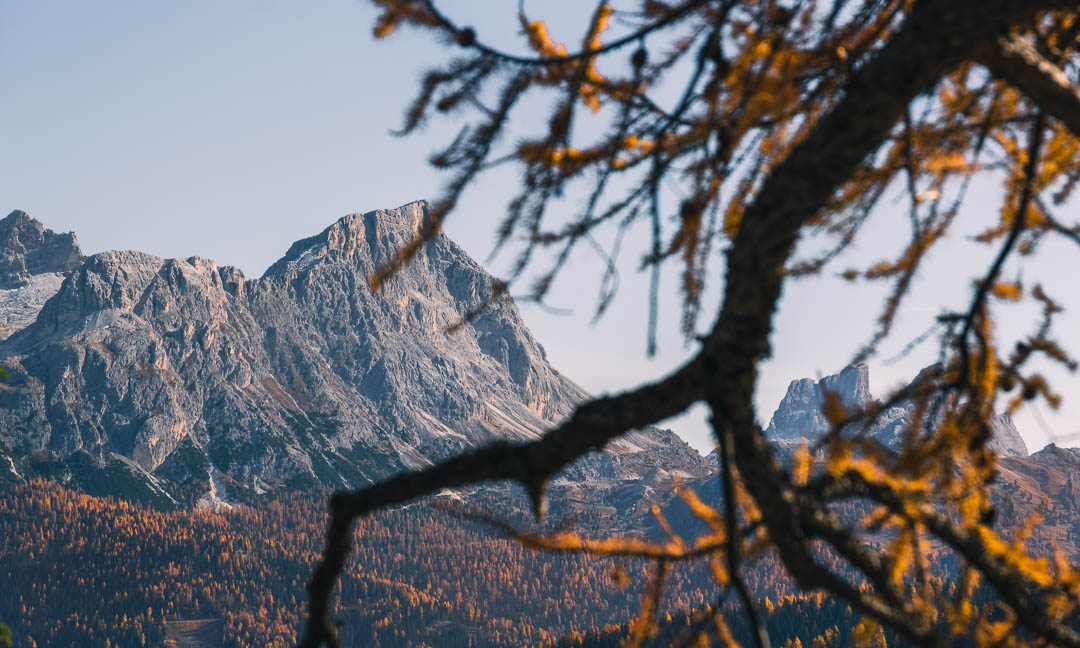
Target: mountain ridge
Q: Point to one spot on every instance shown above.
(208, 386)
(799, 415)
(27, 248)
(202, 380)
(33, 262)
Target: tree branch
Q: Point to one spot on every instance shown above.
(676, 14)
(734, 542)
(1016, 61)
(938, 35)
(1015, 587)
(591, 427)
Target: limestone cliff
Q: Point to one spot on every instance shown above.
(204, 383)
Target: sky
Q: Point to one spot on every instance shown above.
(228, 130)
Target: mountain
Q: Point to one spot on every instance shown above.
(799, 416)
(27, 249)
(180, 382)
(33, 261)
(186, 381)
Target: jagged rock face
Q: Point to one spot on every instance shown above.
(305, 375)
(27, 248)
(1006, 438)
(799, 415)
(20, 306)
(33, 262)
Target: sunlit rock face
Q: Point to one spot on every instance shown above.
(1006, 438)
(193, 376)
(799, 415)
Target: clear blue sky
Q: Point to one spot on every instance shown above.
(230, 129)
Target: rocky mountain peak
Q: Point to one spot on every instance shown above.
(199, 379)
(799, 414)
(33, 262)
(852, 385)
(27, 249)
(1006, 439)
(369, 238)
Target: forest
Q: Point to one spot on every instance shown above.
(84, 571)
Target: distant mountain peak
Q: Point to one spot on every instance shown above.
(33, 262)
(799, 415)
(852, 385)
(27, 248)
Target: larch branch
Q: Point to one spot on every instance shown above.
(1017, 62)
(591, 427)
(938, 35)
